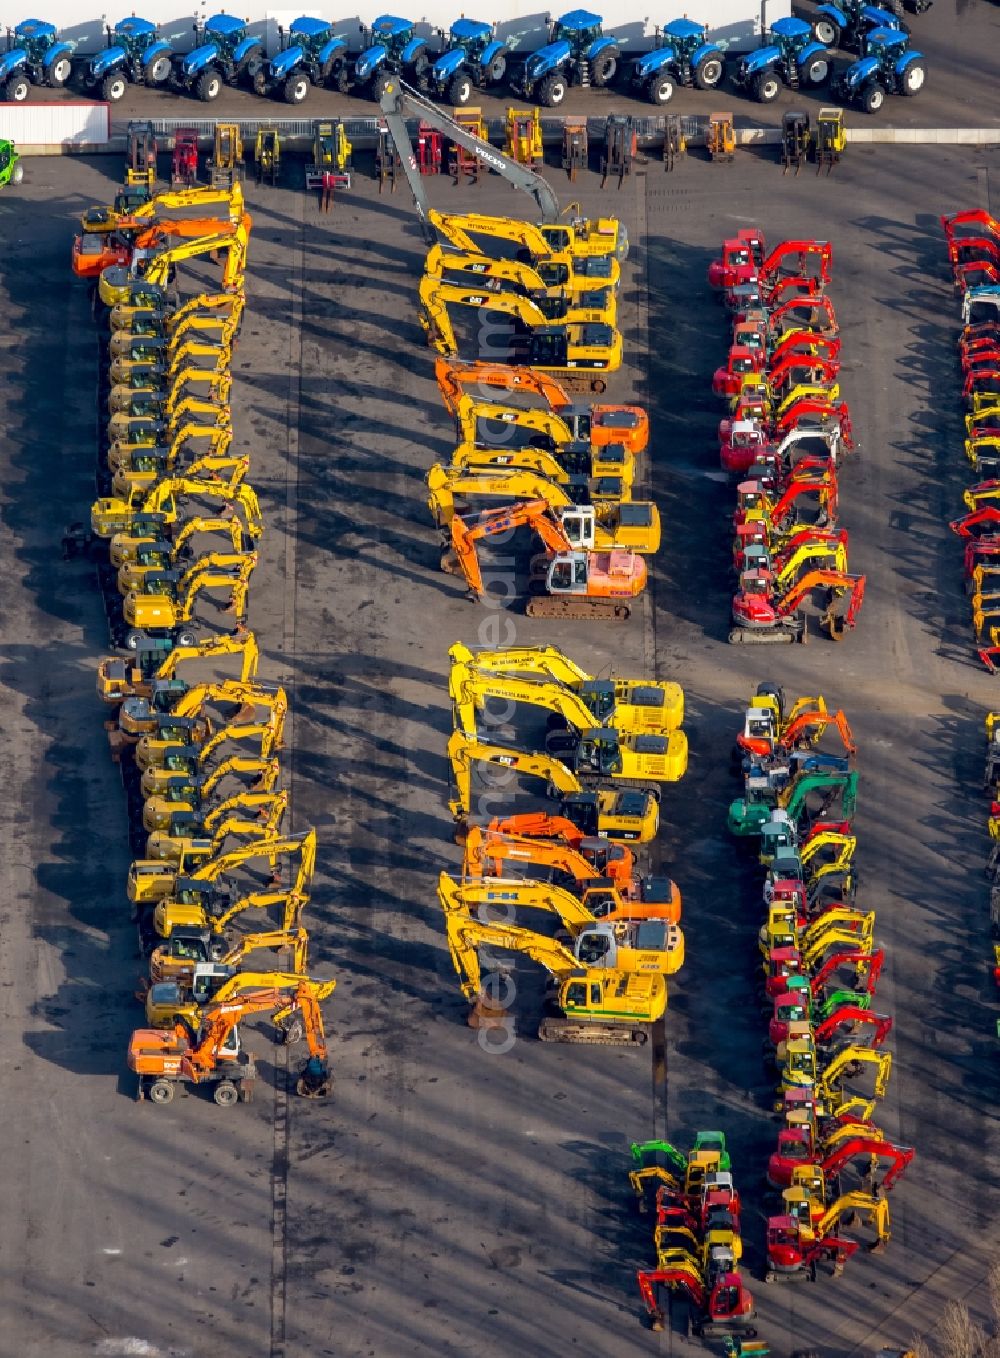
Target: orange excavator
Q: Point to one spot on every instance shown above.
(760, 618)
(612, 860)
(164, 1058)
(566, 583)
(649, 897)
(802, 731)
(93, 253)
(597, 424)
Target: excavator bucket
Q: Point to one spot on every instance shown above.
(315, 1080)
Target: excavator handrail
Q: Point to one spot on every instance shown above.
(398, 96)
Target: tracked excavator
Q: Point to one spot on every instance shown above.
(626, 816)
(179, 551)
(597, 1006)
(150, 882)
(148, 312)
(143, 454)
(143, 470)
(760, 616)
(615, 861)
(172, 612)
(870, 1151)
(484, 422)
(796, 1248)
(214, 1056)
(155, 718)
(661, 757)
(176, 957)
(590, 423)
(631, 526)
(557, 302)
(148, 344)
(567, 250)
(605, 475)
(172, 1003)
(605, 929)
(157, 506)
(564, 583)
(193, 815)
(169, 517)
(718, 1306)
(578, 350)
(120, 678)
(627, 704)
(748, 814)
(156, 261)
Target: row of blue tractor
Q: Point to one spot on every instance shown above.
(579, 53)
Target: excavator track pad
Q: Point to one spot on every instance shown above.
(607, 610)
(594, 1034)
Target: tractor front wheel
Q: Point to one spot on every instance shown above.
(766, 87)
(661, 90)
(296, 88)
(603, 71)
(552, 90)
(16, 89)
(338, 78)
(873, 97)
(914, 78)
(708, 73)
(157, 71)
(113, 87)
(209, 86)
(497, 70)
(459, 90)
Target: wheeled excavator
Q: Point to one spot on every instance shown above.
(172, 612)
(623, 938)
(661, 757)
(132, 675)
(597, 425)
(627, 704)
(578, 350)
(624, 815)
(599, 1006)
(630, 526)
(564, 583)
(761, 616)
(557, 302)
(177, 956)
(214, 1055)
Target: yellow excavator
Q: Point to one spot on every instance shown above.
(176, 957)
(175, 552)
(191, 844)
(188, 766)
(147, 393)
(578, 350)
(627, 704)
(203, 328)
(593, 749)
(121, 677)
(125, 428)
(172, 610)
(173, 508)
(556, 302)
(166, 321)
(594, 1005)
(631, 816)
(647, 944)
(153, 718)
(156, 262)
(175, 822)
(145, 470)
(580, 240)
(610, 526)
(210, 359)
(158, 505)
(190, 441)
(593, 477)
(171, 1002)
(168, 206)
(496, 427)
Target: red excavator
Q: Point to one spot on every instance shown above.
(762, 618)
(743, 262)
(796, 1149)
(725, 1308)
(802, 731)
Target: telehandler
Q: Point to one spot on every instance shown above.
(624, 815)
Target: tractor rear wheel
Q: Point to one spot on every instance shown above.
(914, 78)
(209, 85)
(873, 97)
(827, 31)
(296, 88)
(157, 71)
(708, 73)
(661, 89)
(766, 87)
(113, 87)
(459, 90)
(552, 90)
(817, 72)
(379, 85)
(16, 89)
(497, 71)
(603, 71)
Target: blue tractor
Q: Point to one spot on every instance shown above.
(34, 56)
(226, 57)
(847, 23)
(682, 57)
(578, 52)
(889, 66)
(311, 54)
(474, 59)
(791, 57)
(135, 55)
(394, 49)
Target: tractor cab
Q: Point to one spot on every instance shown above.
(312, 35)
(580, 29)
(792, 36)
(394, 34)
(225, 32)
(473, 36)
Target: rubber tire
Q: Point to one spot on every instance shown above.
(915, 68)
(379, 82)
(114, 87)
(185, 639)
(766, 87)
(459, 90)
(296, 88)
(873, 97)
(816, 73)
(208, 86)
(161, 1092)
(827, 32)
(58, 81)
(225, 1094)
(149, 71)
(242, 70)
(603, 72)
(552, 90)
(497, 71)
(16, 90)
(660, 90)
(338, 78)
(711, 64)
(17, 174)
(293, 1032)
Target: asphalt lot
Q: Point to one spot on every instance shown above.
(959, 38)
(445, 1199)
